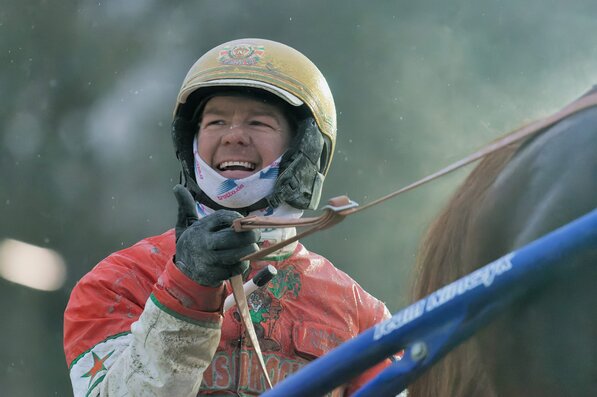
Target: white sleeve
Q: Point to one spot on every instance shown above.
(162, 356)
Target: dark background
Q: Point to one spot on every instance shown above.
(87, 90)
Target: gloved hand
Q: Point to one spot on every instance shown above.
(208, 250)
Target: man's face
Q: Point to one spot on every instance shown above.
(239, 136)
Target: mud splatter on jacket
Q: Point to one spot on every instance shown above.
(135, 325)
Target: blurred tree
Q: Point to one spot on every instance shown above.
(86, 165)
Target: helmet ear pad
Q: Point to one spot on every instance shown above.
(301, 179)
(183, 133)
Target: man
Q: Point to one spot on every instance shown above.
(254, 129)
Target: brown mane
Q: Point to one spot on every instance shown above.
(444, 256)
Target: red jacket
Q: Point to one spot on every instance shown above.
(309, 308)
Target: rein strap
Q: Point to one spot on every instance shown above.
(241, 302)
(335, 212)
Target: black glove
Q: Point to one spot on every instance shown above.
(208, 250)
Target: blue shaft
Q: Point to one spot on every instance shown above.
(515, 271)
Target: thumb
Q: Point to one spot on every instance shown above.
(187, 211)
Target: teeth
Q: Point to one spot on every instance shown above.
(243, 164)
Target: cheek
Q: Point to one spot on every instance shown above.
(276, 147)
(205, 147)
(281, 143)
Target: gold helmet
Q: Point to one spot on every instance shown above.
(264, 65)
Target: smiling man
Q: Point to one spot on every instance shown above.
(239, 134)
(254, 129)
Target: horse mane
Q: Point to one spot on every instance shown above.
(446, 254)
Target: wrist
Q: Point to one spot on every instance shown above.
(189, 293)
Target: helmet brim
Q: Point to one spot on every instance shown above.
(285, 95)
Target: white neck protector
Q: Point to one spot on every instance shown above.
(239, 193)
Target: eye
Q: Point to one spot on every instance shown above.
(263, 123)
(212, 123)
(258, 123)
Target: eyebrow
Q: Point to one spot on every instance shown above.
(211, 112)
(220, 112)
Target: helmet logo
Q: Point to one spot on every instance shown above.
(241, 54)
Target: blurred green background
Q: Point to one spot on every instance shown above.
(87, 90)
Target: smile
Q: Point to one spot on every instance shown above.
(236, 166)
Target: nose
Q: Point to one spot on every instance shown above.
(237, 134)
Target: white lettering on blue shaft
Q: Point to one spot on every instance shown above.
(480, 277)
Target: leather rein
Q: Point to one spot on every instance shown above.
(340, 207)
